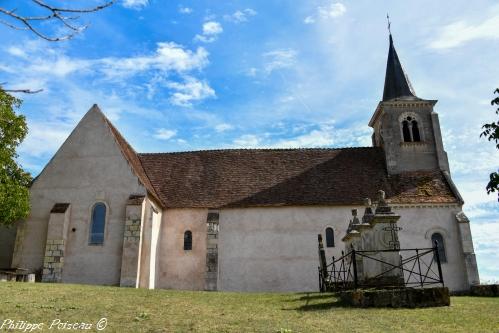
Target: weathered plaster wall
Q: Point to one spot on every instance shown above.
(417, 226)
(7, 240)
(275, 249)
(402, 156)
(179, 269)
(88, 168)
(145, 246)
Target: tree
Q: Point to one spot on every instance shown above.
(39, 17)
(491, 132)
(44, 16)
(14, 181)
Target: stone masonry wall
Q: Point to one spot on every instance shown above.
(131, 243)
(132, 230)
(211, 276)
(53, 261)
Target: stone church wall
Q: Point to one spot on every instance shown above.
(275, 249)
(88, 168)
(179, 268)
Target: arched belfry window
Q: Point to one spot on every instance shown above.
(440, 245)
(329, 237)
(415, 131)
(187, 240)
(405, 131)
(98, 224)
(410, 129)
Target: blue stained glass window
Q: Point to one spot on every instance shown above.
(98, 224)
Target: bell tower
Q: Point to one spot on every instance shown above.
(406, 126)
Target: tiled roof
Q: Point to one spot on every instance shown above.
(277, 177)
(284, 177)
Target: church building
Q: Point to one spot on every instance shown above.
(238, 219)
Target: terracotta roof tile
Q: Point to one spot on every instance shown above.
(283, 177)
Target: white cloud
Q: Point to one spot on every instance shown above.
(323, 135)
(211, 30)
(45, 137)
(60, 66)
(461, 32)
(16, 51)
(240, 16)
(165, 134)
(135, 4)
(333, 10)
(223, 127)
(309, 20)
(190, 91)
(247, 141)
(279, 59)
(185, 10)
(169, 56)
(326, 135)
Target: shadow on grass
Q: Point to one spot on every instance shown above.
(308, 297)
(318, 303)
(322, 306)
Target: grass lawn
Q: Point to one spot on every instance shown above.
(138, 310)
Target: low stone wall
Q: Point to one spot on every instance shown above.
(397, 298)
(488, 290)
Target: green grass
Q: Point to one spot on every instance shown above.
(139, 310)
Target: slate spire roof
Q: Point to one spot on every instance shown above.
(397, 82)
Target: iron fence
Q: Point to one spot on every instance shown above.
(418, 267)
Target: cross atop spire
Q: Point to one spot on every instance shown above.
(397, 82)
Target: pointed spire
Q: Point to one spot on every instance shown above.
(397, 83)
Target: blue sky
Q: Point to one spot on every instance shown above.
(187, 75)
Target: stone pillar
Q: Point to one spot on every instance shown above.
(211, 275)
(468, 251)
(131, 242)
(53, 262)
(384, 236)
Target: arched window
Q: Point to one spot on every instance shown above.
(415, 131)
(329, 237)
(187, 240)
(441, 246)
(405, 131)
(98, 224)
(410, 129)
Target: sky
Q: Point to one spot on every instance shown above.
(189, 75)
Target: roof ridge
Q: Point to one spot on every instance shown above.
(255, 149)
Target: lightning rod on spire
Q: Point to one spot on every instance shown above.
(389, 23)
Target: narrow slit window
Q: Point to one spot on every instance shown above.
(415, 131)
(405, 131)
(329, 237)
(187, 240)
(98, 224)
(440, 246)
